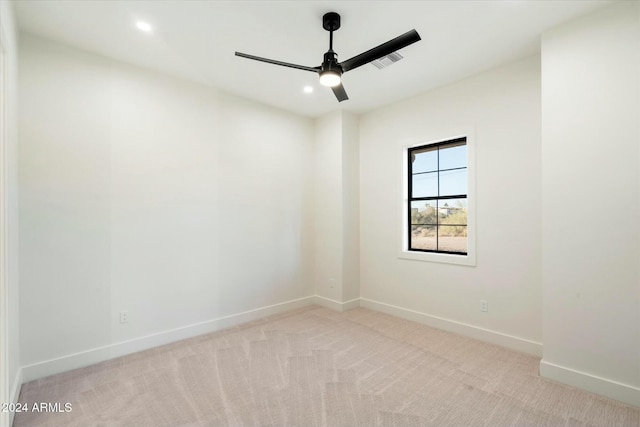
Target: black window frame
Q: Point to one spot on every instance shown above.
(410, 198)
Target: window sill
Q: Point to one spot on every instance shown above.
(468, 260)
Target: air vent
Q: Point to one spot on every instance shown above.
(387, 60)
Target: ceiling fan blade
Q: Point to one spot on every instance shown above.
(340, 93)
(379, 51)
(273, 61)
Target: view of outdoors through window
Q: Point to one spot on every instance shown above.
(438, 197)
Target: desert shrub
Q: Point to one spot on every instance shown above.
(459, 216)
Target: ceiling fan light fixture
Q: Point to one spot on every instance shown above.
(329, 78)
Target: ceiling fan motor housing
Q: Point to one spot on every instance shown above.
(331, 62)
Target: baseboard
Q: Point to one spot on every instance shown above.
(602, 386)
(336, 305)
(612, 389)
(15, 392)
(100, 354)
(487, 335)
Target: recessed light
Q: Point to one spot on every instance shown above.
(143, 26)
(308, 89)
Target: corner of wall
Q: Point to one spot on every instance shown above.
(15, 392)
(350, 206)
(10, 373)
(336, 305)
(337, 256)
(591, 325)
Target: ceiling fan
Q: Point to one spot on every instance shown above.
(330, 71)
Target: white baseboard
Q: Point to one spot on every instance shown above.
(100, 354)
(609, 388)
(14, 394)
(612, 389)
(487, 335)
(16, 386)
(336, 305)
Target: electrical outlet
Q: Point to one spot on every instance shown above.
(484, 306)
(124, 317)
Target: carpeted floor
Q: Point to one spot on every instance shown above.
(317, 367)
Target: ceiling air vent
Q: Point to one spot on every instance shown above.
(387, 60)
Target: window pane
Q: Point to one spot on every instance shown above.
(452, 238)
(424, 160)
(425, 185)
(453, 157)
(452, 212)
(424, 212)
(423, 237)
(453, 182)
(437, 172)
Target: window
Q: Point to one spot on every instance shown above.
(437, 203)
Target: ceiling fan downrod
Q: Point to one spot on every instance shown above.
(331, 71)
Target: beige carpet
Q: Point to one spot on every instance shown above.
(316, 367)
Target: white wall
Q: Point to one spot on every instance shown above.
(10, 374)
(502, 108)
(144, 193)
(591, 202)
(350, 206)
(328, 225)
(336, 211)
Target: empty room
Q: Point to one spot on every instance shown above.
(305, 213)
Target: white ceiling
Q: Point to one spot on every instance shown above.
(197, 40)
